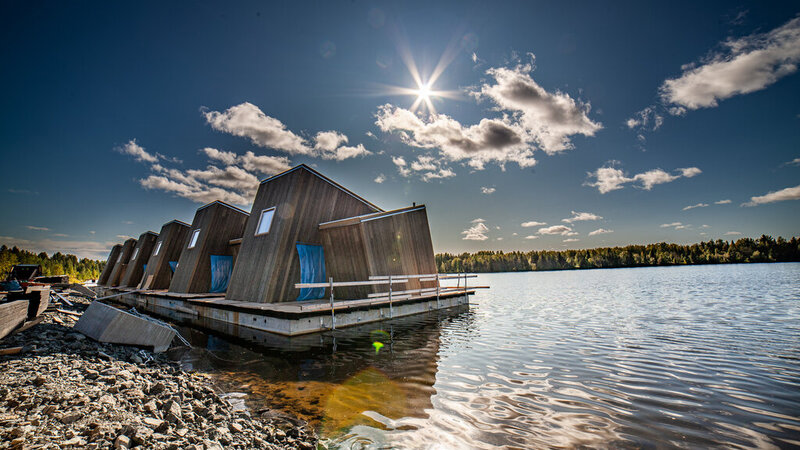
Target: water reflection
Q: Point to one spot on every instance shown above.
(659, 357)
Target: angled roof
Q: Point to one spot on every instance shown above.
(327, 180)
(367, 217)
(178, 222)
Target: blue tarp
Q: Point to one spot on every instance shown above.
(221, 269)
(312, 270)
(144, 268)
(173, 265)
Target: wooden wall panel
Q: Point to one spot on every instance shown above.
(346, 259)
(218, 223)
(112, 259)
(174, 237)
(122, 263)
(143, 250)
(268, 267)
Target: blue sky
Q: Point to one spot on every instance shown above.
(551, 126)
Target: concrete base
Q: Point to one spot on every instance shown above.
(235, 318)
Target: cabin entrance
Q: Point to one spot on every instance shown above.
(312, 270)
(221, 269)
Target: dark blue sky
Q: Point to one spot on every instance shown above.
(629, 114)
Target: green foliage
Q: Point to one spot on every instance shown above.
(58, 264)
(746, 250)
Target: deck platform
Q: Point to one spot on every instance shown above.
(235, 318)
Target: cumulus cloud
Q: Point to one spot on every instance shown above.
(794, 162)
(570, 240)
(487, 190)
(698, 205)
(529, 237)
(550, 118)
(722, 202)
(610, 178)
(228, 158)
(532, 223)
(476, 232)
(743, 66)
(556, 229)
(647, 119)
(478, 220)
(380, 178)
(581, 216)
(137, 151)
(31, 227)
(330, 145)
(600, 231)
(425, 166)
(789, 193)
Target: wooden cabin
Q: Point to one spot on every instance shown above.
(121, 265)
(141, 254)
(110, 262)
(387, 243)
(284, 242)
(171, 241)
(206, 261)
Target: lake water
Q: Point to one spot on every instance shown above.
(698, 356)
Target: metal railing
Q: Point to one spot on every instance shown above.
(391, 295)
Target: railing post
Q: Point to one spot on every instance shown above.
(466, 295)
(391, 310)
(438, 305)
(333, 314)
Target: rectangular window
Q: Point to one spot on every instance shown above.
(120, 257)
(135, 252)
(195, 235)
(265, 221)
(158, 247)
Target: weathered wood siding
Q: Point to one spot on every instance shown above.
(218, 224)
(144, 247)
(174, 237)
(394, 243)
(122, 263)
(268, 266)
(112, 259)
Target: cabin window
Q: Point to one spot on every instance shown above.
(135, 252)
(265, 221)
(120, 257)
(158, 247)
(195, 235)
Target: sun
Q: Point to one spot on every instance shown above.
(424, 92)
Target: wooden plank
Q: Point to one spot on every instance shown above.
(12, 315)
(10, 351)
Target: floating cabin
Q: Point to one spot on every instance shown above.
(110, 262)
(139, 258)
(121, 264)
(207, 260)
(171, 241)
(310, 256)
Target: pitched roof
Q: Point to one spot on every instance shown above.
(327, 180)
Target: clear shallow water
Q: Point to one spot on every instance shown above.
(701, 356)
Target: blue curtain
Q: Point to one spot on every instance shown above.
(144, 267)
(312, 270)
(221, 269)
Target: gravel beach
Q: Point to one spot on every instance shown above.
(64, 390)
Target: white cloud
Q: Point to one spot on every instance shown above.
(705, 226)
(515, 234)
(556, 229)
(790, 193)
(610, 178)
(425, 166)
(745, 65)
(699, 205)
(266, 165)
(60, 235)
(600, 231)
(137, 151)
(31, 227)
(487, 190)
(646, 119)
(794, 162)
(532, 223)
(227, 158)
(722, 202)
(581, 216)
(682, 227)
(478, 220)
(125, 236)
(248, 121)
(476, 232)
(670, 225)
(329, 140)
(380, 178)
(531, 237)
(550, 118)
(329, 145)
(732, 233)
(92, 232)
(499, 239)
(570, 240)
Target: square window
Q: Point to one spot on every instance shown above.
(120, 257)
(265, 221)
(135, 253)
(195, 235)
(158, 247)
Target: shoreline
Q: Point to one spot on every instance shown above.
(65, 390)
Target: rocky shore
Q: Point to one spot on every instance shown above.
(64, 390)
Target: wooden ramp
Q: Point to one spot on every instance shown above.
(12, 315)
(105, 323)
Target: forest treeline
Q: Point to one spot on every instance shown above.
(57, 264)
(745, 250)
